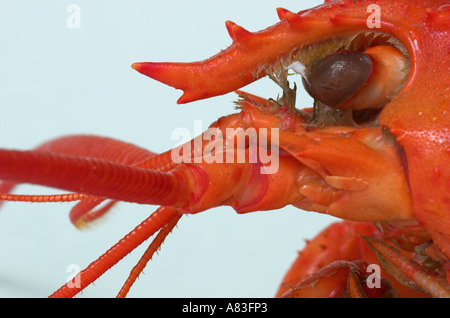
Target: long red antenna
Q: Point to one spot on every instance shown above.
(142, 232)
(95, 177)
(154, 246)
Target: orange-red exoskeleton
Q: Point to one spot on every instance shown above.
(373, 150)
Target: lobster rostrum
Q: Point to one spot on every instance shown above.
(374, 147)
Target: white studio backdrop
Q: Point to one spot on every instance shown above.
(57, 79)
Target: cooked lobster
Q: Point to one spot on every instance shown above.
(373, 147)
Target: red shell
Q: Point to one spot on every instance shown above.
(419, 115)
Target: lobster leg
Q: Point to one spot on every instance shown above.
(354, 287)
(84, 211)
(338, 259)
(336, 280)
(156, 221)
(156, 243)
(407, 272)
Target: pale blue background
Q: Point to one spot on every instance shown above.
(56, 81)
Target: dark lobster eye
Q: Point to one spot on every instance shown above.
(338, 76)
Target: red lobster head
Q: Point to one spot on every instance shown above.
(374, 147)
(417, 115)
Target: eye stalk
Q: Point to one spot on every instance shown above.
(357, 80)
